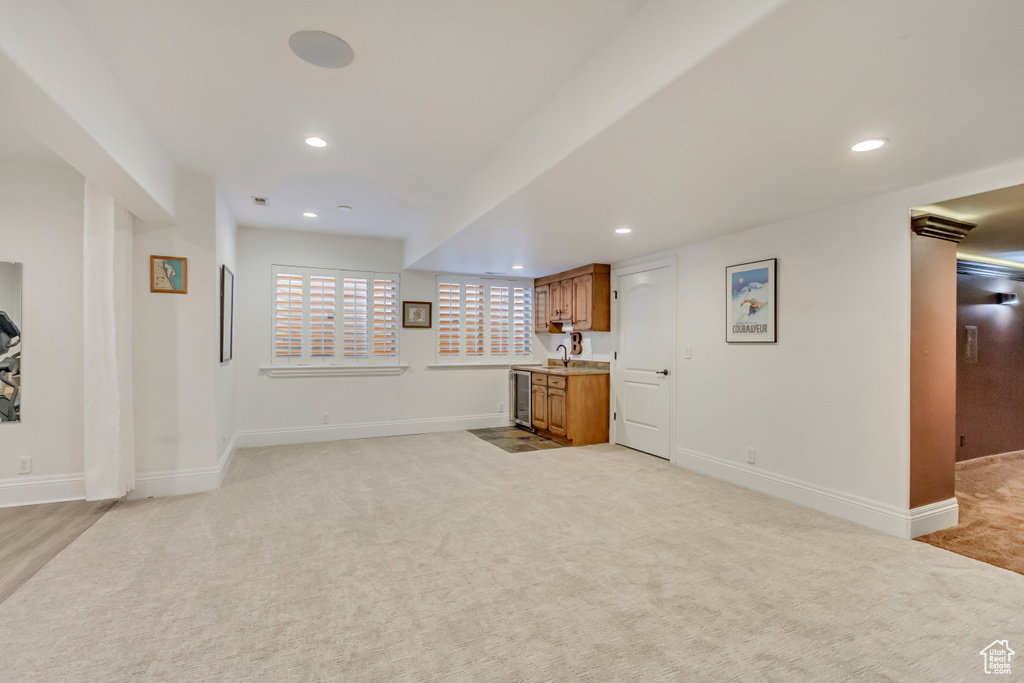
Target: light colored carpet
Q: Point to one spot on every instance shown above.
(442, 557)
(990, 492)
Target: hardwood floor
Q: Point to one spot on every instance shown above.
(32, 535)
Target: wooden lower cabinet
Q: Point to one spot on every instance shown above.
(571, 409)
(540, 406)
(556, 412)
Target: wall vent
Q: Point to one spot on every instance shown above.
(260, 201)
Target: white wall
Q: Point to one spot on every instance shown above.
(41, 214)
(227, 234)
(176, 348)
(10, 291)
(281, 410)
(827, 407)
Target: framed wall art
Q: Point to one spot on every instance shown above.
(751, 303)
(416, 314)
(168, 274)
(227, 314)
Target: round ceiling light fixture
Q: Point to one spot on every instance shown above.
(309, 214)
(623, 231)
(316, 142)
(344, 207)
(517, 267)
(321, 49)
(869, 145)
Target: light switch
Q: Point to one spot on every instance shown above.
(688, 352)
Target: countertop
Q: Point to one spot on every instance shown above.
(561, 371)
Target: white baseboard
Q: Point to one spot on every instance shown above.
(872, 514)
(27, 490)
(935, 517)
(293, 435)
(181, 482)
(225, 459)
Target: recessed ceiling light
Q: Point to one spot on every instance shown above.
(316, 142)
(623, 231)
(517, 267)
(869, 145)
(344, 207)
(309, 214)
(321, 49)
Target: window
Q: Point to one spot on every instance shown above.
(334, 317)
(484, 321)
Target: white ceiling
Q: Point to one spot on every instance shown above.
(435, 87)
(759, 130)
(762, 130)
(17, 145)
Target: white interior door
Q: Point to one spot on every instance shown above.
(644, 359)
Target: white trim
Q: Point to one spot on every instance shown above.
(225, 459)
(882, 517)
(365, 430)
(330, 370)
(638, 266)
(456, 366)
(934, 517)
(54, 488)
(181, 482)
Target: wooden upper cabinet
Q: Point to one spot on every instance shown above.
(541, 308)
(565, 305)
(581, 297)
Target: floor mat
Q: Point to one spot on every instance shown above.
(515, 440)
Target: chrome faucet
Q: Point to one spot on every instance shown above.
(565, 355)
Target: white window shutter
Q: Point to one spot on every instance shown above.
(321, 316)
(499, 321)
(288, 315)
(448, 327)
(385, 318)
(474, 320)
(354, 315)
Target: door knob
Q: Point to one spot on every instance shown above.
(662, 372)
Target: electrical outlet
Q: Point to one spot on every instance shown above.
(25, 465)
(327, 418)
(751, 455)
(689, 352)
(501, 407)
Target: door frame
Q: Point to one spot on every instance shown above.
(630, 268)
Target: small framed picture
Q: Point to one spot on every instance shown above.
(416, 313)
(168, 274)
(751, 303)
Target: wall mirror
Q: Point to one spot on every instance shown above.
(10, 342)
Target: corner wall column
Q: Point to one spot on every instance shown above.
(933, 370)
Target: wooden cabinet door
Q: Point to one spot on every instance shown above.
(556, 412)
(540, 308)
(554, 302)
(565, 300)
(540, 407)
(583, 302)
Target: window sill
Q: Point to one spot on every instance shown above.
(465, 366)
(330, 370)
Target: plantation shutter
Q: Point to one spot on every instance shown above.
(385, 318)
(448, 303)
(321, 316)
(522, 318)
(288, 315)
(354, 317)
(474, 320)
(499, 321)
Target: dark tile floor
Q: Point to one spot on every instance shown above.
(515, 440)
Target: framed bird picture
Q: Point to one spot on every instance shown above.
(168, 274)
(751, 303)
